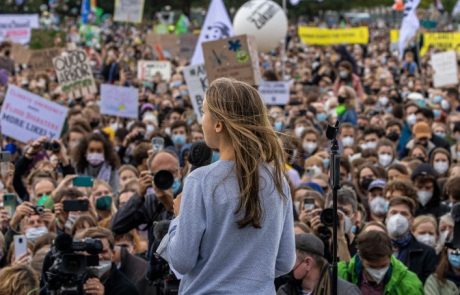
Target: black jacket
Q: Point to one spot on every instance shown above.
(421, 259)
(343, 288)
(119, 284)
(440, 142)
(134, 268)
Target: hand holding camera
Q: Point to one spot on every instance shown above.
(35, 147)
(23, 210)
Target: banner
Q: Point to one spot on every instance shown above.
(320, 36)
(26, 116)
(146, 70)
(130, 11)
(409, 25)
(119, 101)
(217, 25)
(20, 54)
(74, 73)
(394, 36)
(443, 41)
(197, 83)
(17, 28)
(42, 60)
(445, 70)
(275, 92)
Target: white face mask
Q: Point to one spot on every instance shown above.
(95, 159)
(441, 166)
(316, 170)
(348, 141)
(149, 128)
(427, 239)
(298, 131)
(371, 145)
(377, 274)
(379, 206)
(385, 159)
(33, 233)
(424, 197)
(397, 226)
(103, 267)
(309, 147)
(383, 100)
(411, 119)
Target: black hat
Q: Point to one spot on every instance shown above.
(425, 170)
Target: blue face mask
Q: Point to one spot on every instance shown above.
(321, 117)
(437, 99)
(215, 157)
(179, 139)
(279, 126)
(437, 114)
(176, 186)
(454, 260)
(326, 163)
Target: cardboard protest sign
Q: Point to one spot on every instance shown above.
(234, 57)
(17, 28)
(20, 54)
(74, 73)
(167, 42)
(146, 70)
(130, 11)
(445, 69)
(44, 38)
(323, 36)
(119, 101)
(42, 59)
(197, 82)
(274, 92)
(187, 45)
(26, 116)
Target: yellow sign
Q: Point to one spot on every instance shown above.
(394, 36)
(443, 41)
(320, 36)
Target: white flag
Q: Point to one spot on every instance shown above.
(409, 25)
(217, 25)
(456, 8)
(294, 2)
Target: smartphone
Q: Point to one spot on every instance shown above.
(158, 143)
(20, 246)
(75, 205)
(10, 203)
(83, 181)
(308, 204)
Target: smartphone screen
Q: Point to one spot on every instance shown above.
(20, 246)
(75, 205)
(83, 181)
(309, 204)
(10, 203)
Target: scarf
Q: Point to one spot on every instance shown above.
(324, 284)
(104, 173)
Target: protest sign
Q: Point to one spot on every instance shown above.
(146, 70)
(234, 57)
(45, 38)
(74, 73)
(20, 54)
(197, 83)
(41, 60)
(119, 101)
(445, 69)
(440, 40)
(26, 116)
(187, 45)
(17, 28)
(169, 43)
(130, 11)
(321, 36)
(274, 92)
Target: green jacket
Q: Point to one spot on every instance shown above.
(401, 282)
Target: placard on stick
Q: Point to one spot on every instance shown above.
(235, 57)
(197, 82)
(146, 70)
(74, 73)
(274, 92)
(119, 101)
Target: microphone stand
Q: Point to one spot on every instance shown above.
(334, 182)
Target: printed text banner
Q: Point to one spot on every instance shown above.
(320, 36)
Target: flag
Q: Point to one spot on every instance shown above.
(217, 25)
(456, 8)
(409, 25)
(182, 24)
(85, 10)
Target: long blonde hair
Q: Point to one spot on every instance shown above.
(244, 116)
(19, 279)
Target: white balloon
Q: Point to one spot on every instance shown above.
(294, 2)
(263, 19)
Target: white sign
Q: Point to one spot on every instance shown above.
(445, 69)
(129, 11)
(26, 116)
(197, 82)
(146, 70)
(119, 101)
(17, 28)
(275, 92)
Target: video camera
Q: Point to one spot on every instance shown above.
(69, 269)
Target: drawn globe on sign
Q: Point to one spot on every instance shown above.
(218, 30)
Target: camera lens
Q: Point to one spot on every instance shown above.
(55, 147)
(163, 179)
(327, 216)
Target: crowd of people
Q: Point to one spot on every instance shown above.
(399, 168)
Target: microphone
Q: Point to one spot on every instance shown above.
(200, 155)
(63, 242)
(332, 131)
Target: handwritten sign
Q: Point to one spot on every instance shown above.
(74, 73)
(26, 116)
(445, 69)
(197, 82)
(274, 92)
(119, 101)
(17, 28)
(41, 60)
(129, 11)
(146, 70)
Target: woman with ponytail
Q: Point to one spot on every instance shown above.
(234, 233)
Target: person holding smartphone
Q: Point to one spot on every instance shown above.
(235, 230)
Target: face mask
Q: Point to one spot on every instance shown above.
(278, 126)
(33, 233)
(102, 269)
(397, 225)
(379, 206)
(168, 130)
(454, 260)
(437, 99)
(440, 134)
(441, 166)
(347, 224)
(344, 74)
(175, 84)
(424, 197)
(179, 139)
(371, 145)
(411, 119)
(377, 274)
(314, 171)
(341, 99)
(104, 203)
(437, 114)
(445, 105)
(385, 159)
(366, 182)
(298, 131)
(348, 141)
(176, 186)
(321, 117)
(427, 239)
(383, 100)
(393, 136)
(149, 129)
(95, 159)
(326, 163)
(309, 147)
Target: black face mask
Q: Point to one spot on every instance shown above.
(94, 124)
(366, 182)
(7, 52)
(393, 136)
(341, 99)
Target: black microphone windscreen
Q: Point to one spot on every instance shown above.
(200, 154)
(161, 229)
(63, 242)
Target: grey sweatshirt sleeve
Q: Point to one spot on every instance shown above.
(186, 230)
(285, 259)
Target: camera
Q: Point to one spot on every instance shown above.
(326, 217)
(52, 146)
(163, 179)
(68, 271)
(39, 210)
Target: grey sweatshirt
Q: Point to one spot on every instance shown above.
(214, 255)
